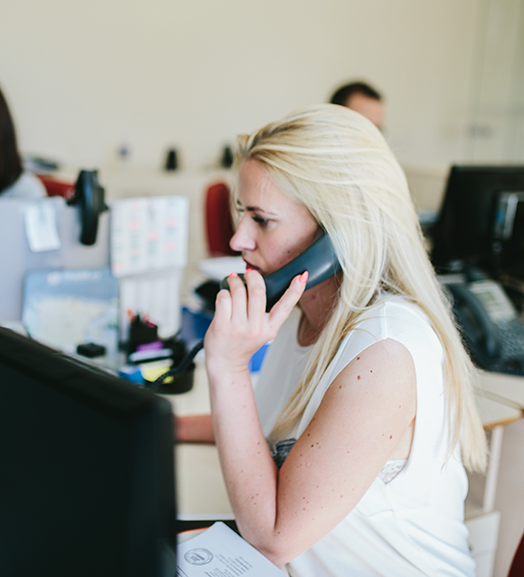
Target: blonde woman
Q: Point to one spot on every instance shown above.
(348, 458)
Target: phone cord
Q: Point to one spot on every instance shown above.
(180, 368)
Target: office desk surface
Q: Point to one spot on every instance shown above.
(494, 412)
(506, 389)
(201, 489)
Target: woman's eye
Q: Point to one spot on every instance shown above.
(259, 220)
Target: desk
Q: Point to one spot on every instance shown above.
(498, 405)
(506, 389)
(201, 490)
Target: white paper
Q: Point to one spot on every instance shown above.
(148, 234)
(40, 227)
(219, 267)
(220, 552)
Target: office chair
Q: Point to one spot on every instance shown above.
(218, 220)
(219, 230)
(56, 187)
(517, 565)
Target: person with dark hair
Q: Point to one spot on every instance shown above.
(15, 182)
(362, 98)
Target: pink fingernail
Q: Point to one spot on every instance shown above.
(302, 279)
(232, 274)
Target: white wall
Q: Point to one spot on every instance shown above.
(496, 116)
(84, 77)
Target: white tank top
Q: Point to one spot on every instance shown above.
(412, 525)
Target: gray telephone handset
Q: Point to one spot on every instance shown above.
(319, 259)
(490, 325)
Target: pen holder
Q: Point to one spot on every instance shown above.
(141, 332)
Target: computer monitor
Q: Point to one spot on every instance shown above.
(481, 221)
(86, 471)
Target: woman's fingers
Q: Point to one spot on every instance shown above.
(223, 306)
(289, 299)
(256, 304)
(238, 299)
(241, 323)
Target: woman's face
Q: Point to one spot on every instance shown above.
(273, 228)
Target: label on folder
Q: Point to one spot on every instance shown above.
(220, 552)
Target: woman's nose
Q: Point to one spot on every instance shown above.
(243, 238)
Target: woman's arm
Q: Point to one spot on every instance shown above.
(194, 429)
(366, 411)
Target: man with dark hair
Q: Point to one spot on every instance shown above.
(362, 98)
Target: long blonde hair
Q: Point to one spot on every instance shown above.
(339, 166)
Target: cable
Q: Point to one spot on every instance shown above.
(180, 368)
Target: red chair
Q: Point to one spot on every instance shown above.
(218, 220)
(56, 187)
(517, 565)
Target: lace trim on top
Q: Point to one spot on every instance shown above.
(391, 469)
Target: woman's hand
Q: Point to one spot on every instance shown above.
(241, 325)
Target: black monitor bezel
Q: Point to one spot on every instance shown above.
(146, 420)
(463, 236)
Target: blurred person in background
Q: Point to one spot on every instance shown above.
(361, 98)
(15, 182)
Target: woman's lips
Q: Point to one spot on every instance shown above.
(250, 266)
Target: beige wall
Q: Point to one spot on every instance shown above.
(84, 77)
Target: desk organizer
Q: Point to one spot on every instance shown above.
(180, 383)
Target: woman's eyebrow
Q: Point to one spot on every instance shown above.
(258, 209)
(254, 208)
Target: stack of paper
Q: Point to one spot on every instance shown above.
(220, 552)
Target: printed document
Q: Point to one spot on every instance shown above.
(220, 552)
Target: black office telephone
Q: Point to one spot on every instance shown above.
(319, 260)
(491, 328)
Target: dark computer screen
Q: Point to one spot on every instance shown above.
(481, 221)
(86, 472)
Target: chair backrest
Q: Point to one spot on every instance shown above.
(517, 565)
(56, 187)
(219, 223)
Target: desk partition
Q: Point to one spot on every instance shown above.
(16, 256)
(155, 292)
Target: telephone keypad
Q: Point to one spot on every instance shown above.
(512, 340)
